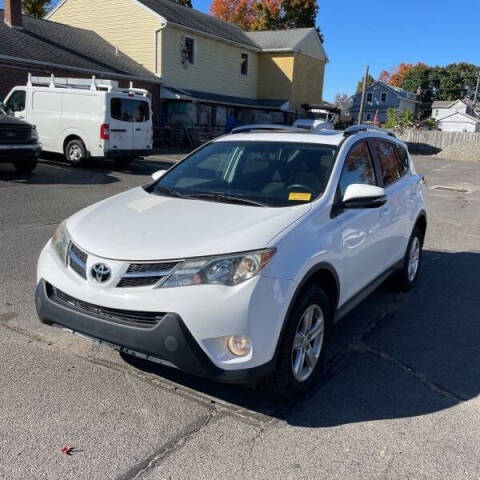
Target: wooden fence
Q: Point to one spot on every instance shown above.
(429, 142)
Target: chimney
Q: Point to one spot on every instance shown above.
(13, 13)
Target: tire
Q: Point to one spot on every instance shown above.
(123, 162)
(290, 380)
(76, 153)
(407, 277)
(25, 166)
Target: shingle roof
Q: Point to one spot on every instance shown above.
(443, 104)
(202, 22)
(279, 38)
(55, 43)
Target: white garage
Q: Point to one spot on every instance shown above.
(459, 122)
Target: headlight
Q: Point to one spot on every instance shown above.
(224, 270)
(34, 133)
(60, 241)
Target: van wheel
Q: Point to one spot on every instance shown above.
(123, 162)
(75, 152)
(302, 351)
(25, 166)
(406, 278)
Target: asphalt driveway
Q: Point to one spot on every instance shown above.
(399, 398)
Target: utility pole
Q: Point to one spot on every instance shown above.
(476, 90)
(364, 92)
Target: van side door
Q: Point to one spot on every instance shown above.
(121, 124)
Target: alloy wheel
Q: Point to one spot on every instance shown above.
(308, 342)
(413, 259)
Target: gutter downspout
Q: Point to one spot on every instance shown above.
(156, 46)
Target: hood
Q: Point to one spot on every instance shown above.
(137, 225)
(7, 121)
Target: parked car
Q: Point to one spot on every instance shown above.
(236, 262)
(18, 143)
(84, 118)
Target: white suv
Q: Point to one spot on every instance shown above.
(235, 263)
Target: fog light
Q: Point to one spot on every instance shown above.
(239, 345)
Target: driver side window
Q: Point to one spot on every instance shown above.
(16, 102)
(358, 168)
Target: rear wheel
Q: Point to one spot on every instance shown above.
(75, 152)
(302, 351)
(407, 277)
(25, 166)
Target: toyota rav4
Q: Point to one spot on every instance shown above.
(236, 262)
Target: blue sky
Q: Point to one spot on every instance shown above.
(382, 35)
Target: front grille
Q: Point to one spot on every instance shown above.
(77, 260)
(123, 317)
(146, 274)
(11, 134)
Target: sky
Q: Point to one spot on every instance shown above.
(383, 34)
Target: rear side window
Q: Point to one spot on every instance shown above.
(358, 168)
(129, 110)
(402, 158)
(16, 102)
(389, 164)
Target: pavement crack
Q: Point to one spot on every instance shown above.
(422, 378)
(170, 447)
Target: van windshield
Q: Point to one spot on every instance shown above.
(272, 174)
(129, 110)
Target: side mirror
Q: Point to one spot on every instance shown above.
(363, 196)
(158, 174)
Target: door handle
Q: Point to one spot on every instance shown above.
(384, 212)
(138, 129)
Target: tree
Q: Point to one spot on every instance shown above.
(370, 81)
(299, 13)
(185, 3)
(418, 80)
(342, 101)
(385, 76)
(35, 8)
(399, 73)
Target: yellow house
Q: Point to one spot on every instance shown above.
(208, 67)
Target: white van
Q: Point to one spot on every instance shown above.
(84, 118)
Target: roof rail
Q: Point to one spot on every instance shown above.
(354, 129)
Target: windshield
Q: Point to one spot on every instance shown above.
(273, 174)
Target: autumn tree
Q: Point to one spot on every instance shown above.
(299, 13)
(399, 73)
(385, 76)
(35, 8)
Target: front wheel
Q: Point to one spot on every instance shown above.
(302, 351)
(25, 166)
(407, 277)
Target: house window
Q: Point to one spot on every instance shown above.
(383, 97)
(369, 116)
(369, 97)
(244, 64)
(189, 50)
(436, 112)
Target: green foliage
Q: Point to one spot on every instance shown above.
(299, 13)
(393, 118)
(370, 81)
(430, 123)
(396, 119)
(35, 8)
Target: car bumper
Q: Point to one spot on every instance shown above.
(191, 335)
(11, 153)
(127, 153)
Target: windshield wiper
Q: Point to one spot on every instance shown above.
(169, 191)
(222, 197)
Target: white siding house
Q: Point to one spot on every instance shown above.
(459, 122)
(442, 109)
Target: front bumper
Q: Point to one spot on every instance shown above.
(200, 318)
(12, 153)
(169, 343)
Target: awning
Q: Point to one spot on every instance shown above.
(172, 93)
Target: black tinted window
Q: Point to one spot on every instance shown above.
(387, 157)
(402, 158)
(130, 110)
(16, 102)
(358, 168)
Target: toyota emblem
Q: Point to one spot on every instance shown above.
(101, 272)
